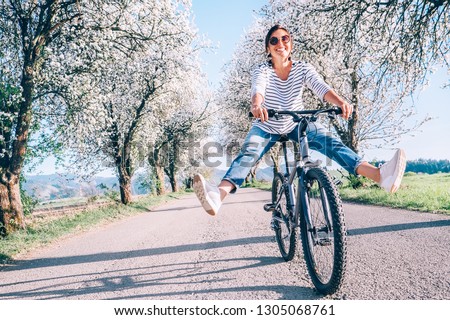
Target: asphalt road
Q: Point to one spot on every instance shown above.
(178, 252)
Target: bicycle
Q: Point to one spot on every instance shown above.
(312, 211)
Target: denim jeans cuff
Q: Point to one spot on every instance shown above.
(357, 165)
(233, 183)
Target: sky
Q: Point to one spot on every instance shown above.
(224, 22)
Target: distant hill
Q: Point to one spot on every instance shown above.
(265, 174)
(59, 186)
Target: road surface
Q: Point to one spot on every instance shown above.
(178, 252)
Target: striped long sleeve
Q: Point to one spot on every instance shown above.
(285, 94)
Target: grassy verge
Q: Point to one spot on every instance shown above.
(41, 231)
(49, 205)
(421, 192)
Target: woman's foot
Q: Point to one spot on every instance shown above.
(391, 172)
(208, 194)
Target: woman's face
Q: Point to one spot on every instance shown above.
(280, 44)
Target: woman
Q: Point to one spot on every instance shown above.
(278, 84)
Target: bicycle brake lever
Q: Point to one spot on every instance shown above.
(332, 115)
(272, 113)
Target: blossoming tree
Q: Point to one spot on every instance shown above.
(145, 59)
(27, 28)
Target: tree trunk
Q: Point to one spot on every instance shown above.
(156, 160)
(189, 183)
(276, 165)
(160, 184)
(172, 167)
(275, 157)
(174, 184)
(125, 186)
(353, 121)
(252, 174)
(11, 210)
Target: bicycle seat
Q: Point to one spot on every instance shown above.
(283, 138)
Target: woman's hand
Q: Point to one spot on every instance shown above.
(260, 112)
(347, 110)
(333, 98)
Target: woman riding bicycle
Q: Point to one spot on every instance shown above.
(279, 84)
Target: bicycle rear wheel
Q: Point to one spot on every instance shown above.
(286, 235)
(324, 245)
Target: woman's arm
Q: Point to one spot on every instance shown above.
(259, 83)
(257, 109)
(332, 97)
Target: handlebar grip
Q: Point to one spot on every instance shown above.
(270, 112)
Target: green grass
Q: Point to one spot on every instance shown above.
(70, 202)
(263, 185)
(42, 231)
(421, 192)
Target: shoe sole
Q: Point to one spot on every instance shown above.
(200, 192)
(401, 160)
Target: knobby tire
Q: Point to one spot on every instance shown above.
(286, 236)
(327, 275)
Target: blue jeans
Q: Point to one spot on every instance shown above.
(258, 142)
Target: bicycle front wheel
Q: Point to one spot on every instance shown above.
(286, 234)
(324, 244)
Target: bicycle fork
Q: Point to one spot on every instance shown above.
(303, 201)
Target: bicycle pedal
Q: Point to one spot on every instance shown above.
(313, 164)
(336, 181)
(269, 207)
(273, 226)
(325, 242)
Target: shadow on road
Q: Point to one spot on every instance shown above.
(183, 276)
(399, 227)
(113, 282)
(111, 256)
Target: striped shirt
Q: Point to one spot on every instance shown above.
(285, 94)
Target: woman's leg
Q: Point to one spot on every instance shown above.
(323, 141)
(254, 147)
(367, 170)
(256, 144)
(388, 176)
(225, 187)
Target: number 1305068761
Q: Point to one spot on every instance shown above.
(300, 310)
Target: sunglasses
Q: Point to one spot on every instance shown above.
(274, 40)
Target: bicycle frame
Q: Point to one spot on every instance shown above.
(302, 162)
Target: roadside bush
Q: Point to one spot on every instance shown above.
(358, 182)
(29, 202)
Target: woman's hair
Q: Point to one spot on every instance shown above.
(269, 35)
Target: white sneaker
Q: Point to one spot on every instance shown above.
(391, 173)
(208, 194)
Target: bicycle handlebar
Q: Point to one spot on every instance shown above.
(296, 114)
